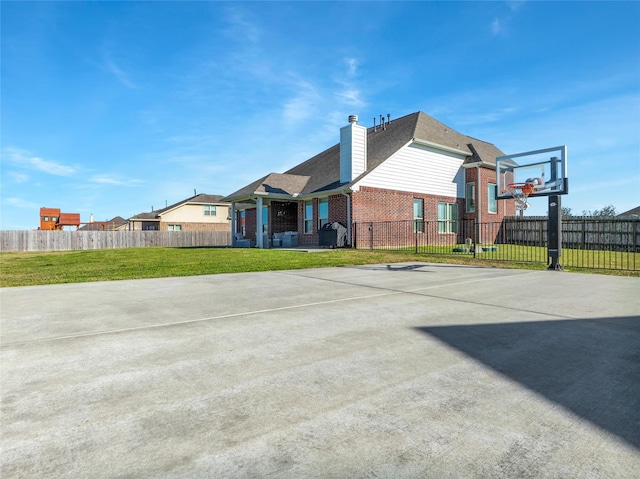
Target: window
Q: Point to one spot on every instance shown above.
(265, 219)
(418, 215)
(175, 227)
(470, 197)
(209, 210)
(491, 198)
(323, 212)
(447, 218)
(308, 217)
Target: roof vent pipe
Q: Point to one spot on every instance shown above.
(353, 118)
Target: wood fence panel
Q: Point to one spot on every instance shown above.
(40, 240)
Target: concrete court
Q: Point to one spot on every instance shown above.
(409, 370)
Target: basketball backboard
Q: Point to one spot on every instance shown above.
(541, 172)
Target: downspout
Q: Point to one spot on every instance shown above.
(348, 216)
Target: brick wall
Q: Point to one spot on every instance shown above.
(505, 207)
(337, 212)
(338, 209)
(376, 205)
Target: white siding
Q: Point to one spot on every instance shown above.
(353, 152)
(419, 169)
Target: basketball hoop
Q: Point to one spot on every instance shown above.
(520, 193)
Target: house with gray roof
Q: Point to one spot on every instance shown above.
(633, 213)
(201, 212)
(117, 223)
(412, 169)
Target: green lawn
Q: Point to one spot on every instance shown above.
(23, 269)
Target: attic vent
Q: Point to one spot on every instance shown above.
(353, 118)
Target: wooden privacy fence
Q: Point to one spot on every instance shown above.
(40, 240)
(589, 233)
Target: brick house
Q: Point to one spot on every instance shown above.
(199, 213)
(412, 169)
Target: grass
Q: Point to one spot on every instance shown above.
(38, 268)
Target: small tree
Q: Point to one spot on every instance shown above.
(566, 212)
(608, 211)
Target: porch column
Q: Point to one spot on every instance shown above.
(259, 238)
(234, 226)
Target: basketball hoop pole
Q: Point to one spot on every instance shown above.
(554, 229)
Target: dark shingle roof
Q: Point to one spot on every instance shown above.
(633, 212)
(322, 172)
(114, 222)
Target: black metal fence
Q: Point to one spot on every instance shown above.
(587, 242)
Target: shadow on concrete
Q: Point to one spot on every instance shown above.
(411, 268)
(590, 366)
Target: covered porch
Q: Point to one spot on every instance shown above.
(264, 223)
(283, 210)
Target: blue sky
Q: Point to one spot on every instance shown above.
(112, 108)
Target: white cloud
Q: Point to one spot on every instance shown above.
(349, 94)
(495, 26)
(352, 67)
(115, 181)
(351, 98)
(18, 177)
(302, 104)
(119, 74)
(20, 203)
(25, 159)
(240, 28)
(515, 5)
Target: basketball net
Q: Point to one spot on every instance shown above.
(520, 193)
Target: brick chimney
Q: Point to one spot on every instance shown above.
(353, 150)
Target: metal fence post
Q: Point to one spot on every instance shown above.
(476, 232)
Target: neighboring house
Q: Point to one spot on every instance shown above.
(412, 169)
(114, 224)
(199, 213)
(633, 213)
